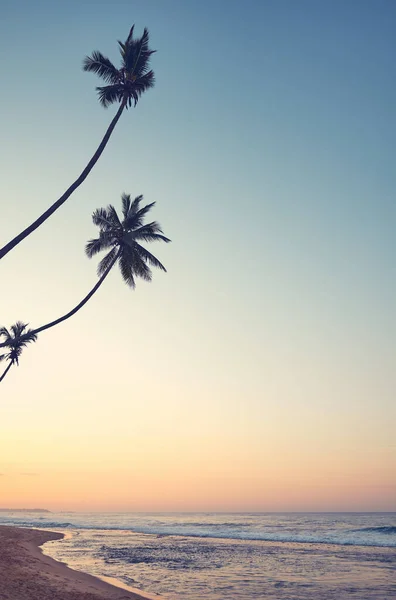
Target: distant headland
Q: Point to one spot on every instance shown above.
(32, 510)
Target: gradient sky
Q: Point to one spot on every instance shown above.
(258, 373)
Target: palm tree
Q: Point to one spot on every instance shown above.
(124, 85)
(121, 237)
(15, 340)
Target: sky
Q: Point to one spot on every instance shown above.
(257, 374)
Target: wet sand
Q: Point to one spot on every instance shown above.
(27, 574)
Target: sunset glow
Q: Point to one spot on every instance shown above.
(258, 373)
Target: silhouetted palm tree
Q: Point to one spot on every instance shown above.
(15, 340)
(124, 85)
(121, 238)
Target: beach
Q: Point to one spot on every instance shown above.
(190, 556)
(27, 574)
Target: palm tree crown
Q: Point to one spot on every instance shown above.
(133, 77)
(16, 339)
(123, 236)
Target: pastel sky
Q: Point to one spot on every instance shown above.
(259, 372)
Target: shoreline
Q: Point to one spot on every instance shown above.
(26, 573)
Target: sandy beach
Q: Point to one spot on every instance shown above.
(27, 574)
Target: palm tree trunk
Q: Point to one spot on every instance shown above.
(70, 190)
(6, 371)
(84, 301)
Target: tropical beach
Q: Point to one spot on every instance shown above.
(27, 574)
(197, 300)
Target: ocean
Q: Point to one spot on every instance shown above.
(240, 556)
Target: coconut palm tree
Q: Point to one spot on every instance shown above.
(121, 236)
(15, 340)
(125, 86)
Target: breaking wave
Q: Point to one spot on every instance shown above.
(252, 529)
(387, 530)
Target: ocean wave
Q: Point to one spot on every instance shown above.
(38, 524)
(384, 536)
(243, 535)
(387, 529)
(268, 537)
(195, 524)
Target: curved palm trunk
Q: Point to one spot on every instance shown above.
(81, 304)
(70, 190)
(6, 371)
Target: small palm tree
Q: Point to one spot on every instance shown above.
(121, 237)
(124, 85)
(15, 340)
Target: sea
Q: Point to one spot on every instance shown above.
(223, 556)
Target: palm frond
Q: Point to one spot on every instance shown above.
(136, 217)
(3, 357)
(130, 35)
(132, 96)
(132, 209)
(94, 246)
(126, 204)
(135, 89)
(102, 66)
(4, 331)
(151, 232)
(144, 82)
(111, 211)
(142, 212)
(18, 328)
(106, 261)
(140, 267)
(122, 48)
(101, 219)
(110, 94)
(133, 265)
(28, 337)
(127, 271)
(148, 257)
(136, 203)
(137, 54)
